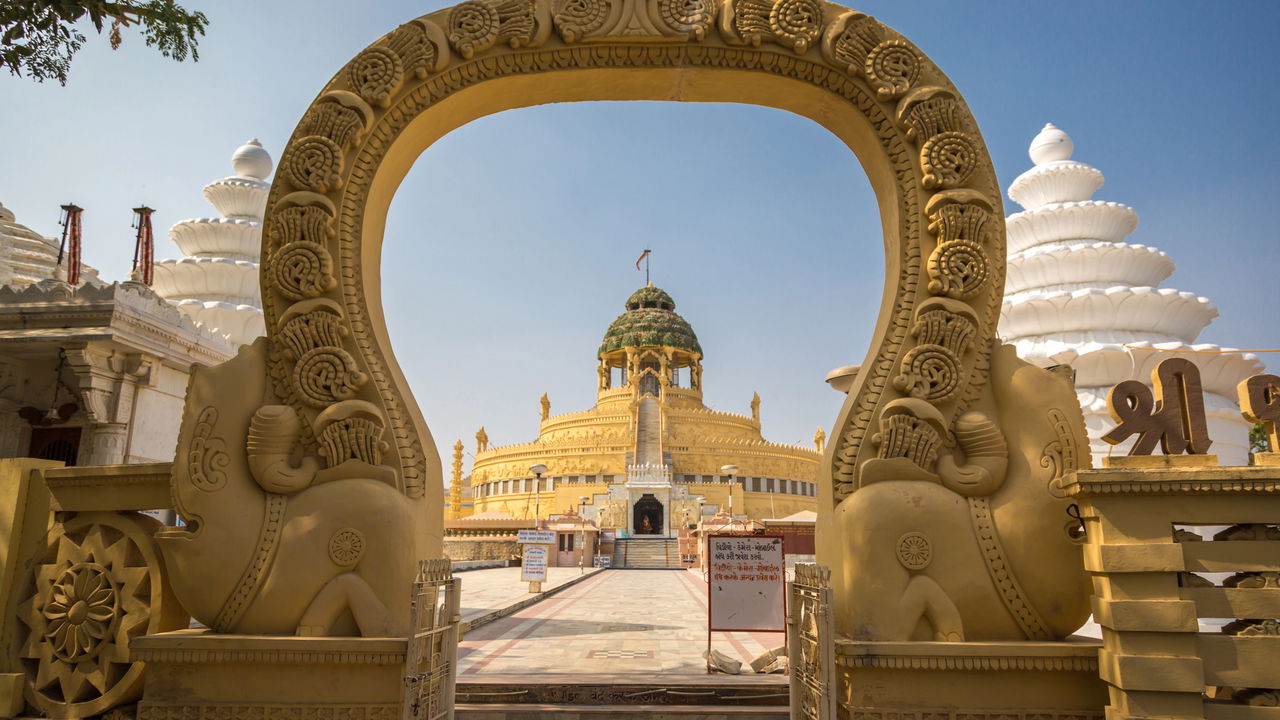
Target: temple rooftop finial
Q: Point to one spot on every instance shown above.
(1050, 145)
(251, 160)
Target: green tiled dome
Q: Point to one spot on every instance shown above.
(650, 320)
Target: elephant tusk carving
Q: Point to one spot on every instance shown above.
(986, 453)
(273, 435)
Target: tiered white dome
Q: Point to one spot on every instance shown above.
(26, 257)
(1077, 293)
(216, 283)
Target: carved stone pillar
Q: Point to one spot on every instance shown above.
(107, 381)
(106, 444)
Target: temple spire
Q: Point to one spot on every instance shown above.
(455, 483)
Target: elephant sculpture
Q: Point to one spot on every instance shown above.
(963, 532)
(272, 542)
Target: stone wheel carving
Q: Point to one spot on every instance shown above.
(914, 551)
(346, 547)
(99, 584)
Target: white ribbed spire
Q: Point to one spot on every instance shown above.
(1077, 293)
(216, 283)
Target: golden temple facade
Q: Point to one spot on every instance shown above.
(650, 457)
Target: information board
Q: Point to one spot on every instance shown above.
(533, 568)
(603, 561)
(748, 583)
(536, 537)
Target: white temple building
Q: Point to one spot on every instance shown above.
(216, 282)
(1078, 294)
(92, 373)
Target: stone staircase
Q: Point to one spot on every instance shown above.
(646, 553)
(648, 433)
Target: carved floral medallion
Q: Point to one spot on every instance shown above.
(98, 585)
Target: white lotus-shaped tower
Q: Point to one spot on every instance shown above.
(1077, 293)
(216, 282)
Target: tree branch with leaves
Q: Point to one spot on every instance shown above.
(38, 39)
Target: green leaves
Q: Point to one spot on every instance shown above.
(39, 38)
(1258, 439)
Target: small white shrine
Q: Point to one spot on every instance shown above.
(1078, 294)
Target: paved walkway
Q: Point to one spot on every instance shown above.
(615, 622)
(484, 591)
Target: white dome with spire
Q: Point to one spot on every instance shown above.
(1078, 294)
(216, 283)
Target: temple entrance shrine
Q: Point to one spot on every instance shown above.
(648, 516)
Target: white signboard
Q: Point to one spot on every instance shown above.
(748, 583)
(534, 566)
(536, 537)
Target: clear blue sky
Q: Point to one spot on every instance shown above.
(510, 245)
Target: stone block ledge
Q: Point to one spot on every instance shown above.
(143, 486)
(204, 647)
(1074, 655)
(1240, 480)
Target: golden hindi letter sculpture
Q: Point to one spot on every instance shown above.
(1260, 403)
(1172, 416)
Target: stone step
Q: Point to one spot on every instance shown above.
(618, 712)
(648, 553)
(569, 697)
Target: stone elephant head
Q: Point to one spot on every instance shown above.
(963, 532)
(272, 543)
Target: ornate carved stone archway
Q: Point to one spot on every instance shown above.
(861, 80)
(327, 360)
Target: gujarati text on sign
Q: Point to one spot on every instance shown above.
(534, 565)
(747, 583)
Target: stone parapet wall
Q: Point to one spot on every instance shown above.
(459, 549)
(1175, 546)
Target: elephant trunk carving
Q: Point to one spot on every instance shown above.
(274, 432)
(986, 455)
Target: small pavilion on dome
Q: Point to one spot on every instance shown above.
(650, 321)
